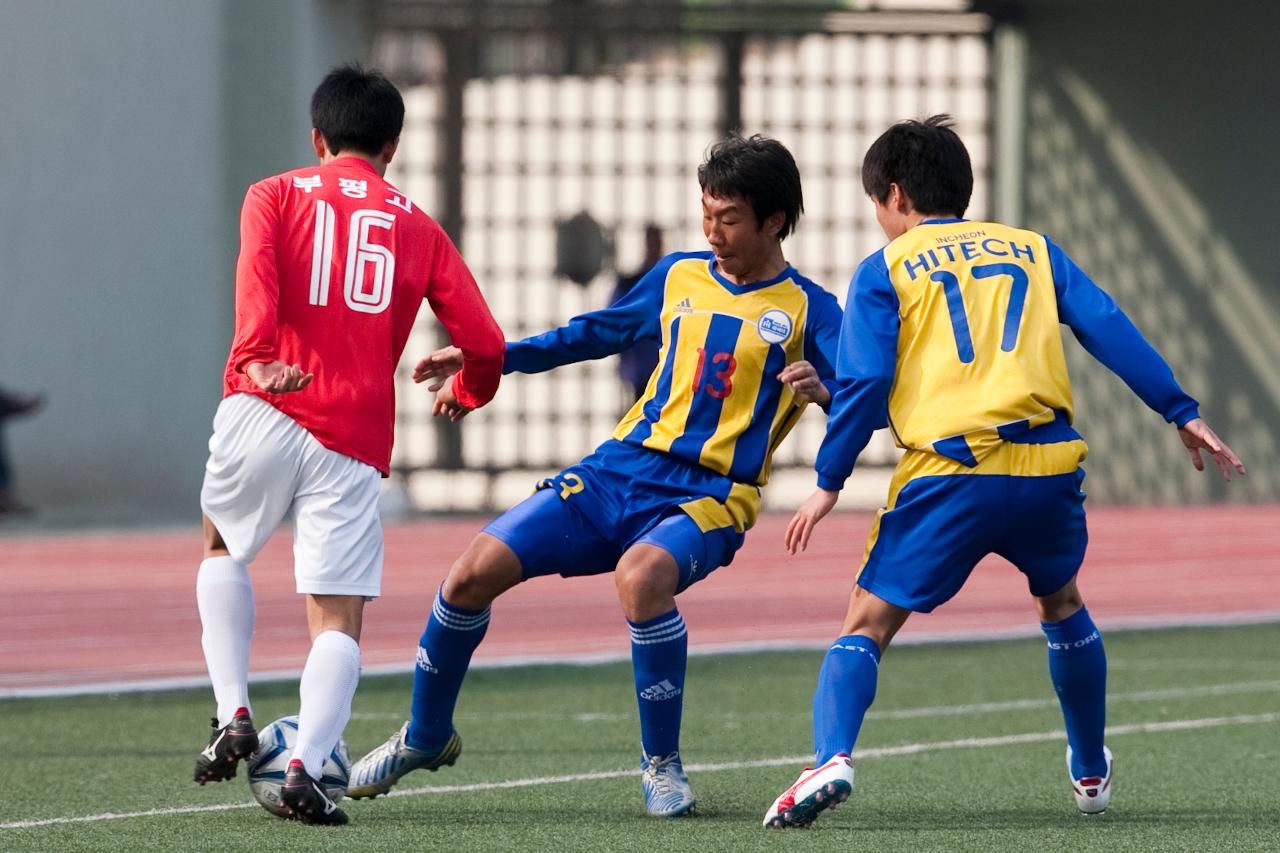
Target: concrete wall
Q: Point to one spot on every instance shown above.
(1148, 156)
(129, 133)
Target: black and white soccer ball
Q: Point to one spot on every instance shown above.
(268, 764)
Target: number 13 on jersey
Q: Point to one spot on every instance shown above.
(720, 384)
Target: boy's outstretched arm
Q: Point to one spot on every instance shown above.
(1197, 436)
(1111, 337)
(865, 367)
(596, 334)
(813, 510)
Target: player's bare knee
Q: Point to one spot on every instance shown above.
(880, 634)
(485, 570)
(1055, 609)
(344, 613)
(1061, 604)
(633, 583)
(873, 617)
(646, 588)
(469, 584)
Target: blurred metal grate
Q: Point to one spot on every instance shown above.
(523, 115)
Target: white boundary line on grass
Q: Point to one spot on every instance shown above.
(921, 712)
(1227, 689)
(860, 755)
(184, 682)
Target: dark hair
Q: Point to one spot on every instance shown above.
(759, 170)
(357, 110)
(927, 160)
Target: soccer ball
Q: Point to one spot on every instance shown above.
(267, 765)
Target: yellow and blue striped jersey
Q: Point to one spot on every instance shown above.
(714, 399)
(953, 329)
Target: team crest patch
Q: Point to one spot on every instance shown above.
(774, 326)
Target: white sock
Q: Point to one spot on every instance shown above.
(328, 685)
(225, 598)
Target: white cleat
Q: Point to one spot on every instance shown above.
(378, 772)
(814, 792)
(667, 792)
(1093, 793)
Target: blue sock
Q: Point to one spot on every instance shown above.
(659, 651)
(444, 653)
(1078, 668)
(846, 689)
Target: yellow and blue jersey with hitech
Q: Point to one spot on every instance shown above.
(953, 328)
(714, 398)
(979, 346)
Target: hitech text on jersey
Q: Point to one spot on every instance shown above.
(954, 327)
(334, 265)
(714, 399)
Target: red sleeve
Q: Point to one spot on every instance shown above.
(257, 281)
(458, 304)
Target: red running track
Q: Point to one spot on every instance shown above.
(105, 610)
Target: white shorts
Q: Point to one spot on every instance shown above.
(262, 464)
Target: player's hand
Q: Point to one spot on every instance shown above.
(447, 404)
(807, 517)
(440, 364)
(1197, 436)
(276, 377)
(803, 379)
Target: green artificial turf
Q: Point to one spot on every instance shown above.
(1213, 786)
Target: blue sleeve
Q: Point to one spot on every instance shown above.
(822, 338)
(1110, 337)
(635, 317)
(865, 368)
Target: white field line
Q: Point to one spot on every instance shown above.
(798, 760)
(1208, 690)
(184, 682)
(1052, 702)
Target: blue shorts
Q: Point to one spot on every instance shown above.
(922, 550)
(581, 521)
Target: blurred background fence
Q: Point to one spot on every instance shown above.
(526, 115)
(1132, 131)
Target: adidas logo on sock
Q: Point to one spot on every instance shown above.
(660, 692)
(424, 662)
(684, 307)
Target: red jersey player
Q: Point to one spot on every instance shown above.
(334, 263)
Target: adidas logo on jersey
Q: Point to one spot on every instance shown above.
(424, 662)
(660, 692)
(684, 307)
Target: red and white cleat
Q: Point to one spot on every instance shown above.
(1093, 793)
(814, 792)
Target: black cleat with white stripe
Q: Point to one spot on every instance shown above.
(305, 799)
(228, 745)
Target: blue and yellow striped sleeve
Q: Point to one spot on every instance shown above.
(865, 367)
(822, 337)
(596, 334)
(1112, 338)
